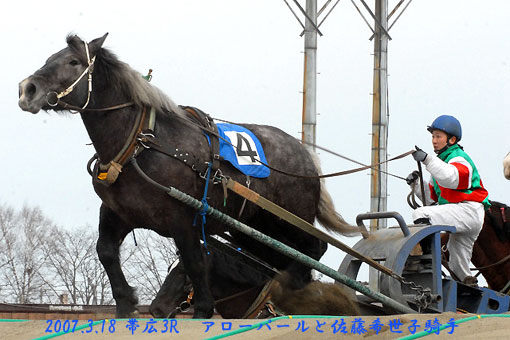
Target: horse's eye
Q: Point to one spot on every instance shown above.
(74, 62)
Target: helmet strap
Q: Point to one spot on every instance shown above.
(450, 137)
(448, 144)
(443, 149)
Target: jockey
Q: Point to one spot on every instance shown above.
(457, 189)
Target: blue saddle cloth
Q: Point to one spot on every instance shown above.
(245, 152)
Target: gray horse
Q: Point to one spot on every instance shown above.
(122, 112)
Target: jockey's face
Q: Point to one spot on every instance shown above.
(440, 139)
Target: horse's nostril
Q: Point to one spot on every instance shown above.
(30, 89)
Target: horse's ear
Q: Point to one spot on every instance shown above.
(96, 44)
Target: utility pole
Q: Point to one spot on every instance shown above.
(378, 197)
(379, 179)
(310, 32)
(309, 119)
(380, 114)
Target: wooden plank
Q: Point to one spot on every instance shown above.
(286, 215)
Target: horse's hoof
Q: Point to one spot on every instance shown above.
(127, 315)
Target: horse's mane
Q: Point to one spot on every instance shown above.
(121, 78)
(501, 228)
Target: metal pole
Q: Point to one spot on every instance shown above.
(379, 180)
(310, 75)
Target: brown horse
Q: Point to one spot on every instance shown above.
(491, 251)
(241, 291)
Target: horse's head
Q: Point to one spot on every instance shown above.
(173, 293)
(65, 73)
(506, 166)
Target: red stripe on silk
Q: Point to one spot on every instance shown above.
(433, 195)
(455, 196)
(463, 176)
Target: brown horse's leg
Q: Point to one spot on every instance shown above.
(112, 231)
(301, 273)
(194, 263)
(172, 293)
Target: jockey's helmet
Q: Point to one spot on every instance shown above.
(448, 124)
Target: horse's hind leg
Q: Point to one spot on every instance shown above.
(112, 231)
(195, 265)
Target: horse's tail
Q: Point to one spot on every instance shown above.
(327, 216)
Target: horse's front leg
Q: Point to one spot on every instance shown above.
(195, 265)
(112, 230)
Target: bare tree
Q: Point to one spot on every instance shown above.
(73, 267)
(146, 264)
(22, 236)
(40, 261)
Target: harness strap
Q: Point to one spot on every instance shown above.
(66, 106)
(108, 173)
(88, 70)
(205, 120)
(260, 302)
(203, 212)
(188, 158)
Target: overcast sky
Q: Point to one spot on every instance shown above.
(242, 60)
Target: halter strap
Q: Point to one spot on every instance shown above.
(88, 70)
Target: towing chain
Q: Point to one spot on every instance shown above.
(423, 297)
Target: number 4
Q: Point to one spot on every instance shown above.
(241, 141)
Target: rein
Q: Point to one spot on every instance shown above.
(66, 106)
(503, 260)
(340, 173)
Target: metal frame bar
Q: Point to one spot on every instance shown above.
(393, 12)
(327, 14)
(398, 16)
(323, 7)
(375, 18)
(307, 17)
(364, 19)
(395, 9)
(295, 15)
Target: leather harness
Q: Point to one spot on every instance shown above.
(142, 134)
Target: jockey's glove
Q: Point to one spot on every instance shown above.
(413, 176)
(419, 155)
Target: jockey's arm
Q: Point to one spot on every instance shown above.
(448, 175)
